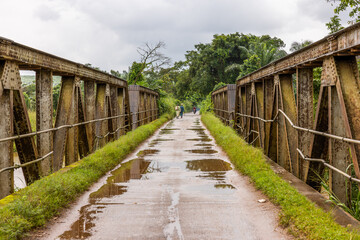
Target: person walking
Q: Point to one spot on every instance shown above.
(182, 110)
(177, 110)
(194, 109)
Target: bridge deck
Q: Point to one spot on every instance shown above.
(180, 186)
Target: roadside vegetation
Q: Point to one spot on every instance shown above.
(32, 206)
(302, 218)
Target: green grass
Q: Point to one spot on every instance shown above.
(32, 206)
(32, 118)
(301, 217)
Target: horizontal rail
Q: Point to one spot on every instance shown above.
(72, 125)
(66, 126)
(26, 164)
(327, 165)
(58, 128)
(344, 139)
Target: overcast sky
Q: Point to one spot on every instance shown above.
(106, 33)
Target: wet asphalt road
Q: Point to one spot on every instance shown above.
(179, 185)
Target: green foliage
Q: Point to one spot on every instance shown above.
(32, 206)
(343, 5)
(206, 105)
(350, 6)
(334, 25)
(296, 46)
(297, 213)
(136, 74)
(217, 86)
(208, 63)
(167, 105)
(250, 65)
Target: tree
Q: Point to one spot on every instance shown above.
(341, 6)
(150, 58)
(208, 63)
(295, 46)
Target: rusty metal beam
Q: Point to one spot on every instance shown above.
(63, 112)
(90, 99)
(100, 112)
(83, 136)
(304, 98)
(44, 118)
(33, 59)
(25, 147)
(6, 130)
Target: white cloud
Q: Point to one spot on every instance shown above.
(106, 33)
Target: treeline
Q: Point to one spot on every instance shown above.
(205, 68)
(208, 66)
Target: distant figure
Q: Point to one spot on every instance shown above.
(194, 110)
(182, 110)
(177, 110)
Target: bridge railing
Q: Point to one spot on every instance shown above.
(224, 103)
(93, 109)
(275, 110)
(144, 107)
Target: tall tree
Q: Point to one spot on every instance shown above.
(151, 58)
(340, 6)
(295, 46)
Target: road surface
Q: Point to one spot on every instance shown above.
(177, 185)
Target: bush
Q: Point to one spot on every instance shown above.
(206, 105)
(167, 105)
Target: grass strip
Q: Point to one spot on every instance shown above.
(301, 216)
(32, 206)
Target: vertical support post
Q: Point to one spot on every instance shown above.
(259, 91)
(90, 99)
(6, 130)
(25, 147)
(72, 153)
(305, 109)
(100, 113)
(134, 99)
(83, 136)
(121, 120)
(268, 109)
(44, 118)
(63, 112)
(287, 135)
(115, 110)
(142, 108)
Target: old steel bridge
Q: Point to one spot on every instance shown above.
(94, 108)
(274, 108)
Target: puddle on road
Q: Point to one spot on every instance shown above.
(166, 131)
(203, 139)
(202, 151)
(204, 145)
(224, 186)
(211, 170)
(133, 169)
(208, 165)
(147, 152)
(154, 142)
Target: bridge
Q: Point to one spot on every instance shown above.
(272, 108)
(93, 109)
